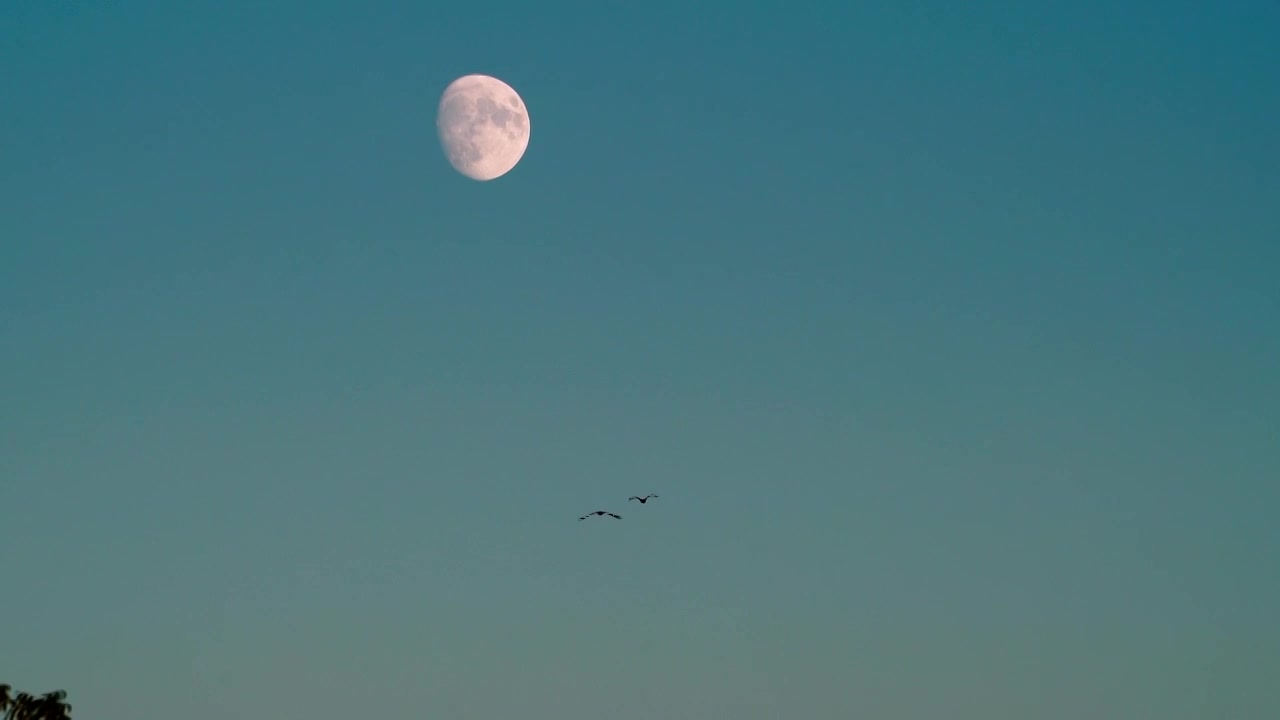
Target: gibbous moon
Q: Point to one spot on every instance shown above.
(483, 125)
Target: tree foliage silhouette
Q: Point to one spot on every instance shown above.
(25, 706)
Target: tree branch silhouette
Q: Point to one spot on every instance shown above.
(25, 706)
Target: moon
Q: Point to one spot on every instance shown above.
(483, 126)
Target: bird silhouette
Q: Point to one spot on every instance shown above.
(642, 500)
(601, 512)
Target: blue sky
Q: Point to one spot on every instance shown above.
(947, 334)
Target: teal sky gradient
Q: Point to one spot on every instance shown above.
(949, 334)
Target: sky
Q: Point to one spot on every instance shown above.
(948, 334)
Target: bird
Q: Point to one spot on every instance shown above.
(601, 512)
(642, 500)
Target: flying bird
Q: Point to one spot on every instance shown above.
(601, 512)
(642, 500)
